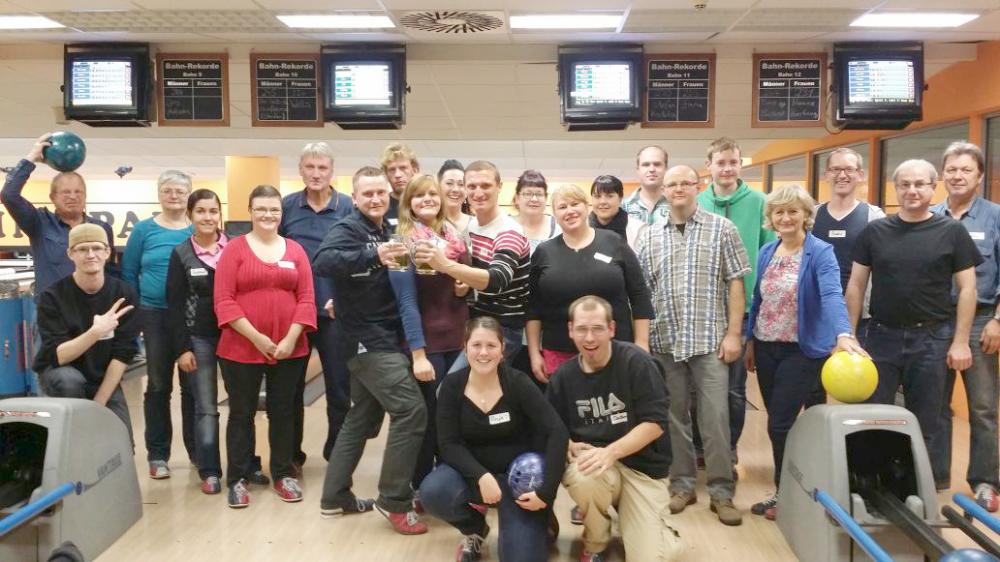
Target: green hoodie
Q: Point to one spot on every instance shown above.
(745, 207)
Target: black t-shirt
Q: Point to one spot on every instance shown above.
(65, 312)
(607, 268)
(841, 234)
(601, 407)
(912, 264)
(474, 442)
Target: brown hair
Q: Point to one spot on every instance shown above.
(666, 157)
(484, 166)
(398, 151)
(722, 144)
(591, 302)
(963, 148)
(262, 190)
(486, 323)
(367, 172)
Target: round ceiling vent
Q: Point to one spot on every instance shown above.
(451, 22)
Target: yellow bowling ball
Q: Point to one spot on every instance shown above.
(849, 378)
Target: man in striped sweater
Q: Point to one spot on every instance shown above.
(499, 271)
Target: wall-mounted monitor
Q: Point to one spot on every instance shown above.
(879, 85)
(600, 85)
(364, 86)
(107, 83)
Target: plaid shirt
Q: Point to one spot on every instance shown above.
(635, 208)
(688, 275)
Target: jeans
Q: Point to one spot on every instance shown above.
(380, 383)
(204, 387)
(983, 393)
(513, 341)
(242, 380)
(819, 396)
(916, 358)
(708, 377)
(428, 449)
(446, 495)
(68, 382)
(160, 357)
(327, 340)
(787, 379)
(738, 395)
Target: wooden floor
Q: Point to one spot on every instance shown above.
(182, 524)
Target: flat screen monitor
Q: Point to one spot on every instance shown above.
(600, 83)
(106, 82)
(364, 84)
(879, 81)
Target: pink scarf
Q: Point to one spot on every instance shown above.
(454, 247)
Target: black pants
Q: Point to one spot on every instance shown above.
(242, 380)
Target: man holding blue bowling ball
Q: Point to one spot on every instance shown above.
(48, 230)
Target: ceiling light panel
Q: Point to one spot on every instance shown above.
(27, 22)
(170, 21)
(337, 21)
(566, 21)
(913, 19)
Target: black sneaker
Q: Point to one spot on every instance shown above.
(360, 505)
(471, 547)
(258, 478)
(239, 497)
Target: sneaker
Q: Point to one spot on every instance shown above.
(986, 497)
(359, 505)
(762, 508)
(259, 478)
(288, 489)
(576, 515)
(408, 523)
(727, 512)
(680, 500)
(591, 556)
(211, 485)
(418, 506)
(480, 507)
(238, 495)
(471, 547)
(158, 470)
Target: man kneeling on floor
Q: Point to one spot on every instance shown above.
(613, 400)
(87, 327)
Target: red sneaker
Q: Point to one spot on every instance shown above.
(288, 489)
(408, 523)
(986, 497)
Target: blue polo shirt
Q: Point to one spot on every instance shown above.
(982, 220)
(47, 233)
(302, 223)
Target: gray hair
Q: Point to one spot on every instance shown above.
(916, 163)
(960, 148)
(316, 150)
(174, 177)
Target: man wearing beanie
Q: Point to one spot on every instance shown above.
(87, 327)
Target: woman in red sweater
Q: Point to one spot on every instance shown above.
(264, 302)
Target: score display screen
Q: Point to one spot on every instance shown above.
(362, 84)
(596, 84)
(881, 82)
(102, 83)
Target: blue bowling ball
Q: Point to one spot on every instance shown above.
(525, 473)
(67, 152)
(968, 555)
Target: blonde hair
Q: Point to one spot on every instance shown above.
(398, 151)
(419, 185)
(570, 192)
(790, 195)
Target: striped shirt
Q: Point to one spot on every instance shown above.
(688, 274)
(501, 248)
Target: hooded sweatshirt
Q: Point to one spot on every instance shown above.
(745, 207)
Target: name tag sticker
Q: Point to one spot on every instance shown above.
(199, 272)
(502, 417)
(838, 234)
(286, 264)
(620, 417)
(602, 257)
(393, 222)
(977, 235)
(361, 348)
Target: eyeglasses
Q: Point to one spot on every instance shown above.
(174, 192)
(532, 195)
(85, 250)
(836, 171)
(683, 185)
(274, 211)
(914, 185)
(582, 331)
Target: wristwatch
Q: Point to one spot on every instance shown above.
(996, 316)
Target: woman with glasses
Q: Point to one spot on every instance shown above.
(530, 194)
(581, 261)
(144, 266)
(264, 303)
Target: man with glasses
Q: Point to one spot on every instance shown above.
(613, 401)
(87, 327)
(647, 203)
(47, 230)
(962, 169)
(916, 332)
(694, 264)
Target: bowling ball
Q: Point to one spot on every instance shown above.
(849, 377)
(525, 473)
(968, 555)
(66, 153)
